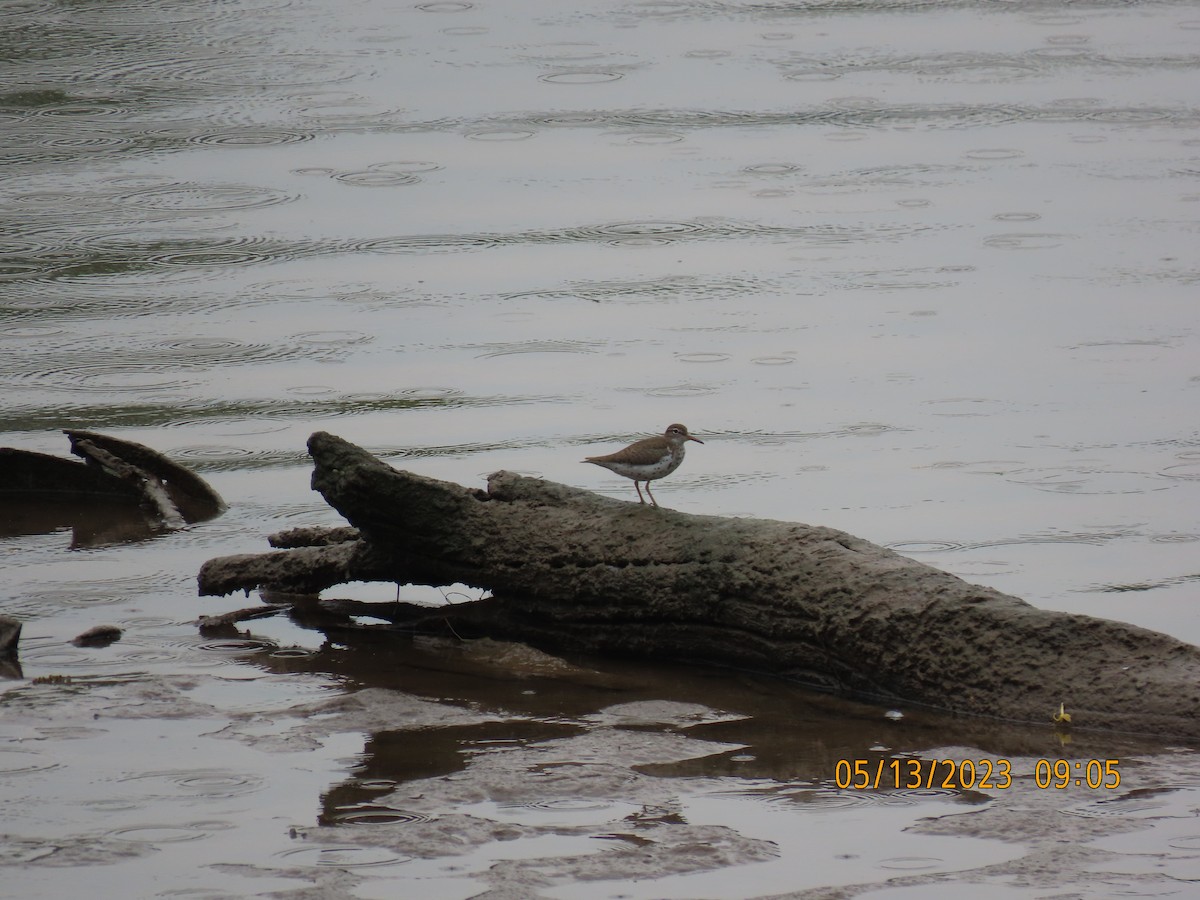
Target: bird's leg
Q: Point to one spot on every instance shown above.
(652, 500)
(638, 488)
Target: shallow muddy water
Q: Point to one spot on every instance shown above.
(923, 272)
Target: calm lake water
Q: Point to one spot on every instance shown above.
(923, 272)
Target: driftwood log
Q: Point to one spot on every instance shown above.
(569, 569)
(114, 471)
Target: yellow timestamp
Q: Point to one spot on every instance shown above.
(966, 774)
(1065, 773)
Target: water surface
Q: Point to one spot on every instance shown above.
(925, 273)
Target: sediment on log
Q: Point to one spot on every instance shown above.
(568, 569)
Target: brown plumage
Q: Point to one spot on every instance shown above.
(648, 459)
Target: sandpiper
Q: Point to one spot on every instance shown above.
(648, 459)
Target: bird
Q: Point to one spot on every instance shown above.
(648, 459)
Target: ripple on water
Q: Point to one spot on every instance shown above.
(250, 136)
(509, 349)
(772, 169)
(676, 391)
(926, 116)
(40, 332)
(223, 457)
(372, 177)
(1183, 471)
(581, 76)
(215, 351)
(375, 814)
(821, 798)
(343, 856)
(1129, 806)
(106, 377)
(172, 833)
(236, 646)
(67, 137)
(1095, 539)
(623, 232)
(649, 137)
(97, 589)
(205, 784)
(960, 407)
(333, 338)
(549, 811)
(568, 119)
(213, 73)
(682, 287)
(427, 243)
(990, 154)
(20, 9)
(911, 863)
(499, 134)
(1026, 241)
(926, 546)
(23, 762)
(261, 421)
(130, 651)
(1175, 538)
(197, 197)
(133, 14)
(1088, 481)
(446, 6)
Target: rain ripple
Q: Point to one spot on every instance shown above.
(216, 73)
(251, 136)
(196, 783)
(342, 856)
(196, 197)
(1088, 481)
(374, 814)
(109, 254)
(509, 349)
(635, 233)
(163, 364)
(1095, 539)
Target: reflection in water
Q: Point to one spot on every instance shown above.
(91, 522)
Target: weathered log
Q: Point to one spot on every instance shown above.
(40, 474)
(570, 569)
(152, 491)
(126, 486)
(175, 492)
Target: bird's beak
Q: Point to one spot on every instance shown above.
(696, 439)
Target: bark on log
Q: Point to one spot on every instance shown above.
(570, 569)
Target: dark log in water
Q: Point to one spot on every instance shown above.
(569, 569)
(115, 479)
(175, 492)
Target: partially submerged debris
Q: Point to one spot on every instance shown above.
(227, 620)
(121, 490)
(569, 569)
(99, 636)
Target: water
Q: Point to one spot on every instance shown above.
(923, 273)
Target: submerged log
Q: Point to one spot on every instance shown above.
(121, 489)
(177, 494)
(569, 569)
